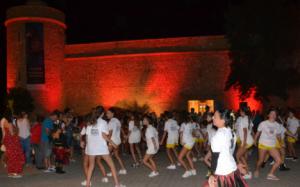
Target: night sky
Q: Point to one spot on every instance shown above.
(98, 20)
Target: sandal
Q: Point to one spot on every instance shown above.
(272, 177)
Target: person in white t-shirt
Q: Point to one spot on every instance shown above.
(171, 130)
(114, 126)
(225, 171)
(151, 136)
(211, 131)
(97, 137)
(293, 128)
(267, 135)
(245, 140)
(187, 140)
(134, 139)
(86, 158)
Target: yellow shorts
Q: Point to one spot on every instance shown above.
(279, 145)
(199, 140)
(171, 146)
(265, 147)
(291, 139)
(188, 147)
(239, 142)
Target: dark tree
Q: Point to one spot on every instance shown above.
(22, 100)
(264, 38)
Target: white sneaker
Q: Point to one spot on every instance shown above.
(104, 180)
(123, 172)
(83, 183)
(193, 172)
(153, 174)
(48, 170)
(248, 176)
(194, 159)
(120, 185)
(109, 174)
(178, 164)
(171, 167)
(186, 174)
(272, 163)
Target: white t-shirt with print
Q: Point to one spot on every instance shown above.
(222, 142)
(151, 132)
(171, 126)
(96, 144)
(293, 125)
(243, 122)
(114, 125)
(269, 132)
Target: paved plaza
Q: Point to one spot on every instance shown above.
(139, 177)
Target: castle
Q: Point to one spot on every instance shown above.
(169, 73)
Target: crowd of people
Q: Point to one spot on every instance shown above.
(223, 140)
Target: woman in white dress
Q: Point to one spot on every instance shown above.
(97, 137)
(134, 139)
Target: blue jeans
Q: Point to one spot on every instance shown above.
(26, 149)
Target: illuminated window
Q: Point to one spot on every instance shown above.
(200, 105)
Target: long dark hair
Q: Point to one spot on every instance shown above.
(226, 115)
(246, 110)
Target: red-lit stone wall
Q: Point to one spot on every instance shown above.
(163, 73)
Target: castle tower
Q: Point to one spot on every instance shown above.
(35, 52)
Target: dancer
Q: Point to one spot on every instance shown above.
(151, 136)
(187, 141)
(268, 133)
(171, 130)
(245, 139)
(293, 128)
(97, 137)
(211, 131)
(134, 139)
(114, 126)
(225, 171)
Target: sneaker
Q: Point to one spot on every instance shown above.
(109, 174)
(283, 167)
(83, 183)
(178, 164)
(171, 167)
(104, 180)
(248, 176)
(295, 159)
(288, 157)
(193, 172)
(48, 170)
(194, 159)
(272, 163)
(52, 169)
(153, 174)
(201, 159)
(120, 185)
(186, 174)
(122, 172)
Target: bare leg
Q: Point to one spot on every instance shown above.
(153, 164)
(181, 155)
(117, 155)
(100, 165)
(261, 157)
(146, 162)
(169, 153)
(190, 160)
(138, 150)
(133, 153)
(90, 169)
(276, 155)
(111, 165)
(207, 158)
(85, 164)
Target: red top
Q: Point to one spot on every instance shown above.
(36, 132)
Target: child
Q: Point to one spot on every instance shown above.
(152, 144)
(171, 129)
(60, 150)
(134, 139)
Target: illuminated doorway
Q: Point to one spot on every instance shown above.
(200, 105)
